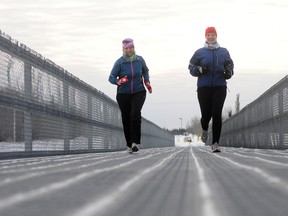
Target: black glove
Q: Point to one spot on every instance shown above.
(228, 69)
(203, 69)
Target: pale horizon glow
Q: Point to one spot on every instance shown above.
(84, 37)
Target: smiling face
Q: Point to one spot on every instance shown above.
(129, 51)
(211, 38)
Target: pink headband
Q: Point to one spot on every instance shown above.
(127, 43)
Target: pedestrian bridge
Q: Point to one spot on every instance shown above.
(48, 115)
(164, 181)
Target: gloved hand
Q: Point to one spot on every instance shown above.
(228, 69)
(148, 86)
(203, 69)
(122, 80)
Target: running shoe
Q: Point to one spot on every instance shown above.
(135, 147)
(204, 136)
(129, 150)
(215, 148)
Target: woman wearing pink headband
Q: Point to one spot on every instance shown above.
(130, 73)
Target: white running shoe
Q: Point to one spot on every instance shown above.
(204, 136)
(215, 148)
(129, 150)
(135, 147)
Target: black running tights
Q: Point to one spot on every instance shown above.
(211, 100)
(130, 106)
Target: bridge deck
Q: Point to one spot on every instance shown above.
(162, 182)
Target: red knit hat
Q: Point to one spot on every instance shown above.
(210, 30)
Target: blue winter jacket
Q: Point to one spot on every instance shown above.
(214, 60)
(135, 70)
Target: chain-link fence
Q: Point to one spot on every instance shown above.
(262, 123)
(44, 108)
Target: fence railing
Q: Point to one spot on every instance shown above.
(262, 123)
(44, 108)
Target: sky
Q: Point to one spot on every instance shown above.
(84, 37)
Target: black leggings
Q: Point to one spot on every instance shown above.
(130, 106)
(211, 100)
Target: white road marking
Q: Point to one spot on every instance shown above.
(208, 207)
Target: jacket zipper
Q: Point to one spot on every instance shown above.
(213, 68)
(132, 71)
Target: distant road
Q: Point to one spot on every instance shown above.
(153, 182)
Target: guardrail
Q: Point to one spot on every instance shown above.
(262, 123)
(44, 109)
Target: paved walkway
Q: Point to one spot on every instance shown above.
(153, 182)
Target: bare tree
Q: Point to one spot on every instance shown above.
(227, 113)
(194, 126)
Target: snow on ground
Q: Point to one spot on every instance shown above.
(189, 140)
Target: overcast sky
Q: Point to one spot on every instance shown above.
(84, 37)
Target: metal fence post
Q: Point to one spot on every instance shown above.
(28, 114)
(65, 120)
(90, 136)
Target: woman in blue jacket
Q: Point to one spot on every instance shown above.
(213, 66)
(130, 74)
